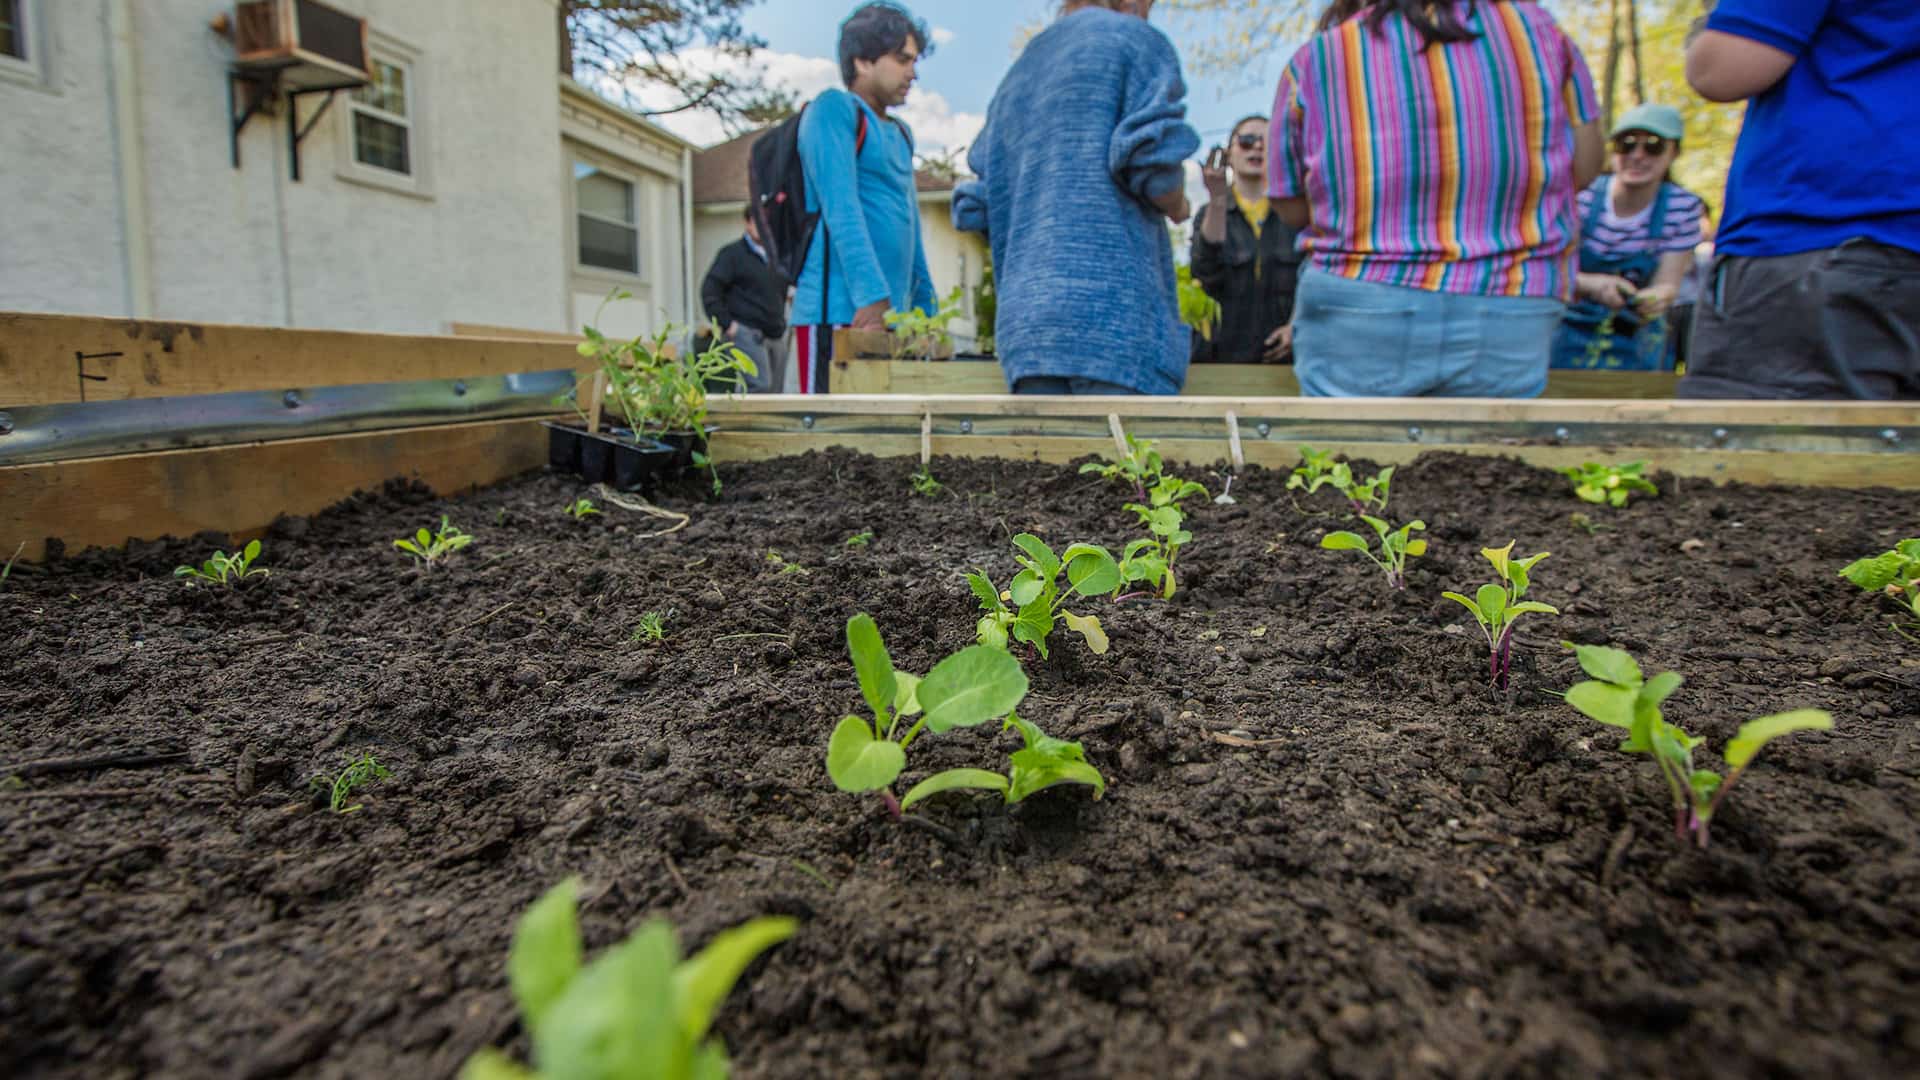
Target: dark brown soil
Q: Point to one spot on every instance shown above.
(1328, 847)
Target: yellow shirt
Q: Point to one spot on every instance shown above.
(1256, 214)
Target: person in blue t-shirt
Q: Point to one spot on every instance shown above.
(1815, 287)
(867, 256)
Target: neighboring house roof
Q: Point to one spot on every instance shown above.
(586, 93)
(720, 172)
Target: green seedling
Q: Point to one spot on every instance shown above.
(1396, 546)
(7, 570)
(1497, 606)
(222, 569)
(860, 539)
(428, 548)
(1149, 559)
(652, 628)
(1197, 309)
(918, 335)
(1317, 469)
(969, 688)
(1141, 466)
(581, 509)
(1038, 601)
(1044, 762)
(1609, 485)
(1896, 574)
(1617, 696)
(637, 1012)
(924, 485)
(340, 788)
(786, 567)
(1585, 524)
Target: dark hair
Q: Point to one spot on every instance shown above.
(876, 30)
(1434, 19)
(747, 210)
(1244, 121)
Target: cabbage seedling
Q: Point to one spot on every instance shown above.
(1610, 485)
(1396, 546)
(1037, 598)
(1896, 574)
(428, 548)
(638, 1010)
(1498, 605)
(1044, 762)
(1618, 697)
(221, 568)
(969, 688)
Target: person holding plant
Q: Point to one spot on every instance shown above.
(1815, 285)
(1244, 257)
(746, 297)
(1638, 231)
(867, 256)
(1430, 153)
(1080, 168)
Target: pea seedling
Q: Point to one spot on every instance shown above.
(428, 548)
(1396, 547)
(1037, 598)
(1044, 762)
(340, 788)
(638, 1010)
(1618, 697)
(1896, 574)
(1497, 606)
(581, 509)
(1610, 485)
(222, 569)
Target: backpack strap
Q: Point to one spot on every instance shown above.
(860, 130)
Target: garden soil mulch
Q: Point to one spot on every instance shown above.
(1328, 847)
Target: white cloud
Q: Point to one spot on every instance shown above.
(943, 36)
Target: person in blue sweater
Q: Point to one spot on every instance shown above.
(1080, 168)
(867, 256)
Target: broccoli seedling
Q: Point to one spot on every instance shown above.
(1610, 485)
(1618, 697)
(341, 787)
(638, 1010)
(652, 628)
(427, 548)
(969, 688)
(1895, 574)
(580, 509)
(924, 485)
(1141, 466)
(1497, 607)
(1044, 762)
(1395, 546)
(860, 539)
(222, 569)
(1037, 598)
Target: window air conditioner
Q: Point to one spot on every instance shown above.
(304, 44)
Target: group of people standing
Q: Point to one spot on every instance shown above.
(1424, 212)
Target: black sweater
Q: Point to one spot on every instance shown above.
(741, 287)
(1251, 307)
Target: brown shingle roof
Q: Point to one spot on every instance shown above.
(720, 172)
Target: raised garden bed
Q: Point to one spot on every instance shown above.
(1327, 848)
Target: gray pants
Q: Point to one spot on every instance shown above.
(1836, 323)
(769, 355)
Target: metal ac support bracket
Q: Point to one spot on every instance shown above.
(261, 92)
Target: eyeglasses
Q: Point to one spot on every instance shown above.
(1654, 145)
(1251, 142)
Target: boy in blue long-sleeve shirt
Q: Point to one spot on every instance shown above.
(867, 257)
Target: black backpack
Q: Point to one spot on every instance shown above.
(777, 192)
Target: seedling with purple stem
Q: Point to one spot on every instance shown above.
(1498, 606)
(1396, 546)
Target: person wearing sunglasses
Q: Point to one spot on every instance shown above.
(1244, 257)
(1638, 231)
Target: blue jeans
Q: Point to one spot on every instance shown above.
(1359, 339)
(1068, 384)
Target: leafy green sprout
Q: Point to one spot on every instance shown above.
(581, 509)
(776, 559)
(340, 787)
(428, 548)
(1317, 469)
(924, 485)
(1043, 762)
(222, 569)
(7, 570)
(1618, 696)
(1197, 309)
(918, 334)
(1149, 559)
(1497, 606)
(636, 1011)
(1609, 485)
(1037, 599)
(652, 627)
(1895, 574)
(1141, 466)
(860, 539)
(1396, 546)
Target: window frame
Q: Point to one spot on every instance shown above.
(31, 68)
(576, 158)
(413, 69)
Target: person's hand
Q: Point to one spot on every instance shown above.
(1655, 300)
(1216, 181)
(873, 316)
(733, 329)
(1610, 289)
(1279, 344)
(1181, 211)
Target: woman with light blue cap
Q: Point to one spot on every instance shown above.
(1638, 233)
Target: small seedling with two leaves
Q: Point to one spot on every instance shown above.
(637, 1011)
(1396, 546)
(427, 548)
(339, 788)
(1610, 485)
(1149, 559)
(1497, 606)
(1043, 762)
(1618, 696)
(581, 509)
(774, 558)
(924, 485)
(1895, 574)
(1038, 599)
(222, 569)
(652, 627)
(969, 688)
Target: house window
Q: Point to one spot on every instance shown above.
(13, 30)
(609, 237)
(382, 119)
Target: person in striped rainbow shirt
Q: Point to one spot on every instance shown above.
(1430, 153)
